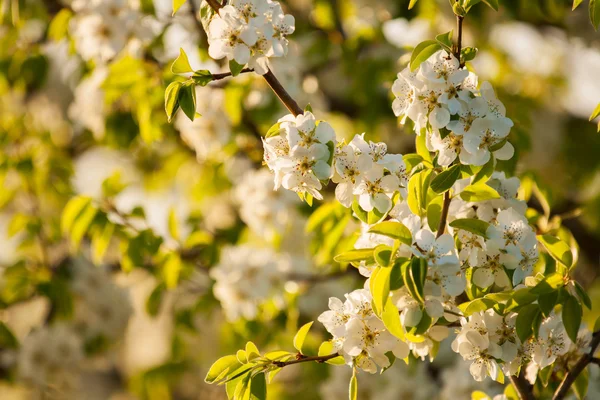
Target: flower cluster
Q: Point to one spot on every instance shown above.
(358, 334)
(442, 100)
(250, 32)
(245, 278)
(301, 153)
(103, 308)
(489, 340)
(103, 28)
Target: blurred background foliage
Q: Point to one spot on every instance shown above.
(92, 172)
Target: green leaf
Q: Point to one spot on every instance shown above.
(468, 54)
(558, 249)
(235, 68)
(59, 27)
(381, 289)
(479, 192)
(202, 77)
(434, 212)
(100, 241)
(524, 319)
(446, 179)
(155, 300)
(412, 160)
(355, 256)
(301, 336)
(580, 386)
(173, 225)
(547, 301)
(393, 229)
(445, 40)
(221, 368)
(476, 306)
(545, 374)
(583, 296)
(172, 99)
(82, 224)
(476, 226)
(325, 349)
(391, 319)
(353, 389)
(417, 191)
(485, 173)
(571, 315)
(422, 52)
(172, 269)
(7, 338)
(251, 351)
(548, 284)
(275, 130)
(72, 211)
(478, 395)
(596, 113)
(187, 100)
(383, 255)
(258, 387)
(414, 273)
(412, 4)
(181, 65)
(492, 4)
(595, 13)
(576, 4)
(177, 5)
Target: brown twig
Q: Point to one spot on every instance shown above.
(582, 363)
(302, 359)
(223, 75)
(444, 216)
(522, 387)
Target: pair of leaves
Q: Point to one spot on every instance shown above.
(180, 95)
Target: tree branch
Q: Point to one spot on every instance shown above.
(223, 75)
(574, 372)
(459, 28)
(522, 387)
(444, 216)
(301, 359)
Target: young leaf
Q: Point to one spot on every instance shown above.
(576, 4)
(468, 54)
(187, 100)
(524, 321)
(571, 315)
(558, 249)
(391, 319)
(356, 255)
(422, 52)
(381, 288)
(492, 3)
(7, 338)
(301, 336)
(581, 384)
(383, 255)
(173, 224)
(221, 368)
(202, 77)
(476, 305)
(412, 4)
(72, 211)
(484, 174)
(155, 300)
(275, 130)
(182, 64)
(258, 387)
(476, 226)
(393, 229)
(417, 191)
(596, 113)
(446, 179)
(445, 40)
(177, 5)
(479, 192)
(235, 68)
(595, 13)
(172, 99)
(434, 212)
(353, 389)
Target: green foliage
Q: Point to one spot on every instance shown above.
(301, 336)
(444, 181)
(394, 230)
(571, 315)
(422, 52)
(472, 225)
